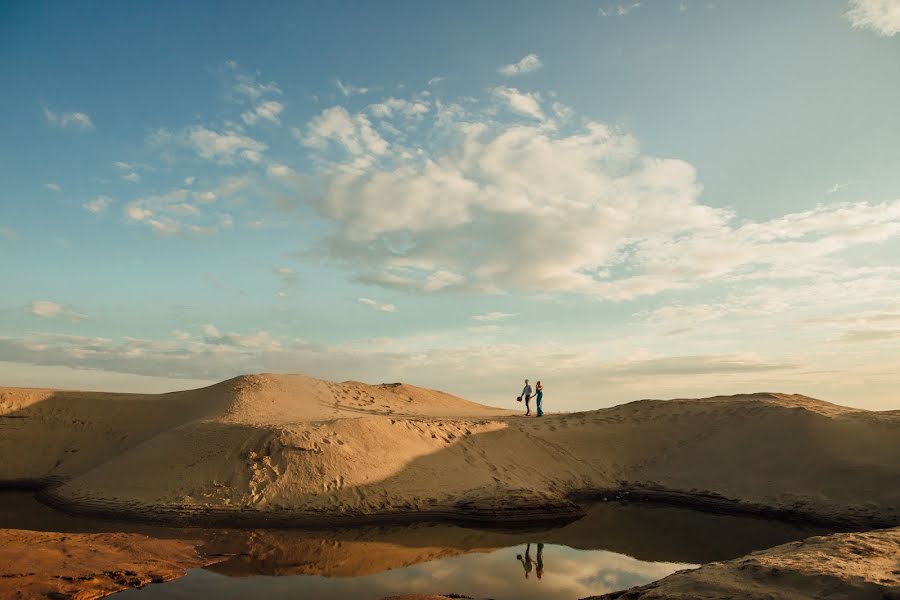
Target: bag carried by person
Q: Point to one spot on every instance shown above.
(518, 398)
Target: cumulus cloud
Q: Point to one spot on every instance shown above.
(493, 203)
(53, 187)
(268, 111)
(880, 16)
(527, 64)
(73, 120)
(524, 103)
(379, 306)
(184, 210)
(98, 205)
(246, 87)
(226, 147)
(397, 106)
(54, 310)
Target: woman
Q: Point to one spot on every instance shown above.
(539, 388)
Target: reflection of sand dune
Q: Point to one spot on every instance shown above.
(657, 534)
(290, 449)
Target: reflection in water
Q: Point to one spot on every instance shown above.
(497, 574)
(613, 547)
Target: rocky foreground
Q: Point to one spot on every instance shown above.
(36, 564)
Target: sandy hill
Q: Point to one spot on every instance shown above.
(288, 449)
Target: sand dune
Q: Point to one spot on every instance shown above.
(857, 566)
(287, 449)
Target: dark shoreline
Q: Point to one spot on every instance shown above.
(474, 513)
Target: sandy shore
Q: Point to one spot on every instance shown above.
(845, 566)
(36, 564)
(270, 450)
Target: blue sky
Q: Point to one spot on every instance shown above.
(624, 200)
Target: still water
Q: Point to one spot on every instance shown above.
(615, 546)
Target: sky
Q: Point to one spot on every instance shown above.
(624, 200)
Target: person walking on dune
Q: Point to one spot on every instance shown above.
(526, 396)
(539, 388)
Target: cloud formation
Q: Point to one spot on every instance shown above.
(98, 205)
(880, 16)
(54, 310)
(379, 306)
(527, 64)
(70, 120)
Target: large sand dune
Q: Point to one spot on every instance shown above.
(288, 449)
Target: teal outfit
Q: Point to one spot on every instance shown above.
(540, 396)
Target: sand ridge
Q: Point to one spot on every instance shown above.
(293, 450)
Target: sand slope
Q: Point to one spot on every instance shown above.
(287, 449)
(846, 566)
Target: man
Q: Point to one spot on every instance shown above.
(526, 396)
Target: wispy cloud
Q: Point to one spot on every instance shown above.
(54, 310)
(492, 317)
(524, 103)
(53, 187)
(347, 89)
(618, 10)
(379, 306)
(527, 64)
(98, 205)
(73, 120)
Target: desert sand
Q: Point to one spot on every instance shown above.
(288, 449)
(37, 564)
(843, 566)
(275, 450)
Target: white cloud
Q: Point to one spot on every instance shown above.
(880, 16)
(619, 10)
(54, 310)
(280, 170)
(224, 148)
(492, 317)
(375, 305)
(348, 89)
(268, 111)
(527, 64)
(54, 187)
(189, 180)
(354, 133)
(245, 86)
(489, 205)
(391, 106)
(75, 120)
(562, 111)
(132, 177)
(98, 205)
(435, 80)
(525, 103)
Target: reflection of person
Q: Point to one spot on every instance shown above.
(526, 562)
(539, 388)
(540, 554)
